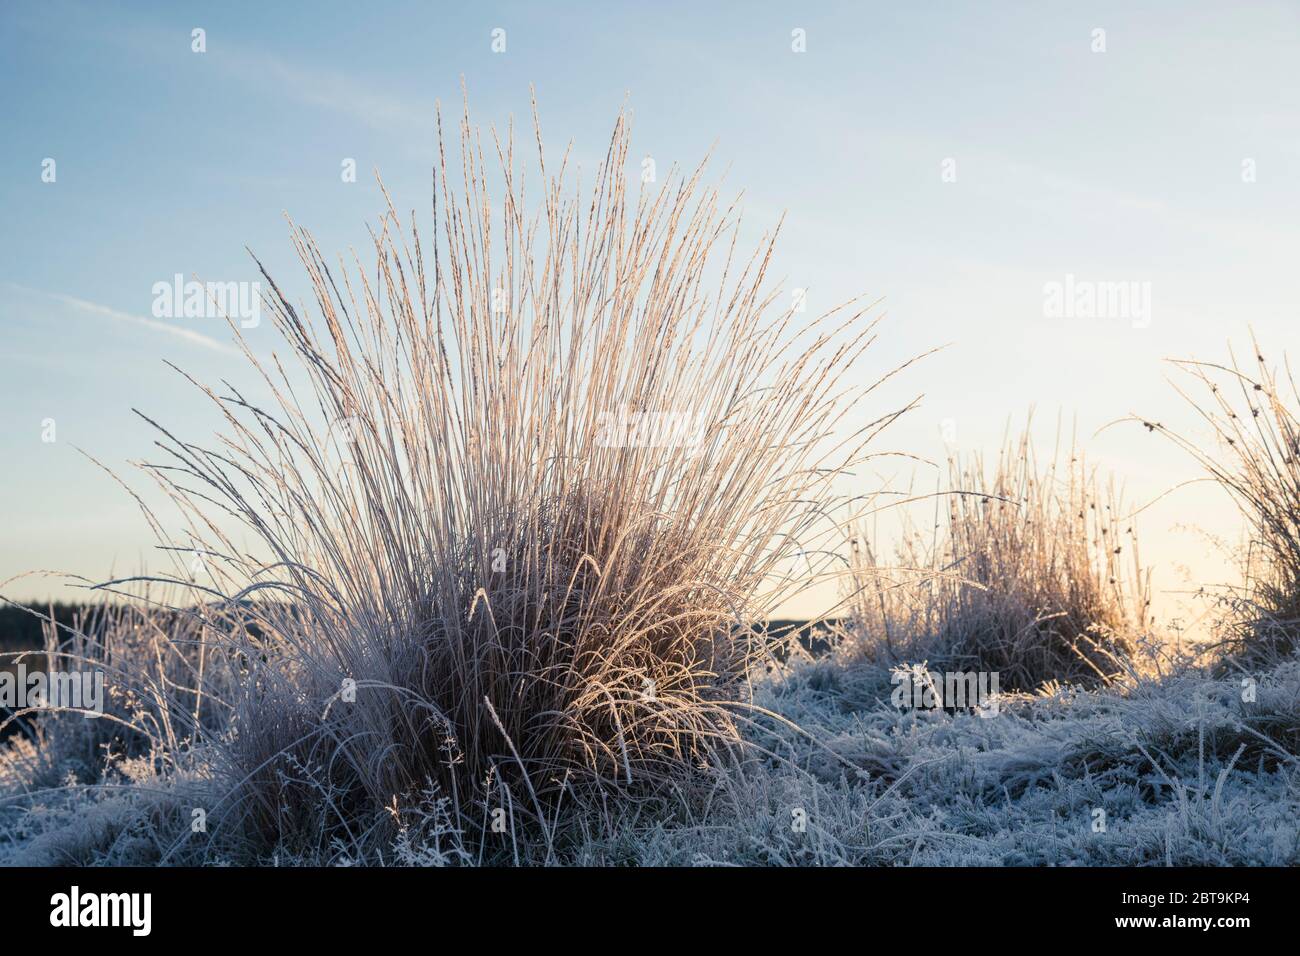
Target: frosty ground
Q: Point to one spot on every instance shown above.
(1173, 769)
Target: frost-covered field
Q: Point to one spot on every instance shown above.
(1171, 771)
(1174, 770)
(472, 577)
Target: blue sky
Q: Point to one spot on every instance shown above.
(1123, 165)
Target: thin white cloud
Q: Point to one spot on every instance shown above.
(355, 96)
(180, 331)
(350, 95)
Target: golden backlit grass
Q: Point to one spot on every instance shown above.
(1031, 572)
(474, 585)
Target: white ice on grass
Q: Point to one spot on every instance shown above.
(1141, 775)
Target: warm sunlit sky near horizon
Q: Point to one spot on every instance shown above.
(1122, 165)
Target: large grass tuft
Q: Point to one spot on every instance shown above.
(523, 485)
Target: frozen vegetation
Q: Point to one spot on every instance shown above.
(1185, 771)
(513, 495)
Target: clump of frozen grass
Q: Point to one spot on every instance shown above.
(117, 788)
(544, 472)
(1254, 455)
(162, 691)
(1032, 572)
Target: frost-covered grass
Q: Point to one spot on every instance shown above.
(497, 516)
(1185, 766)
(1250, 408)
(507, 502)
(487, 621)
(1184, 770)
(1030, 571)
